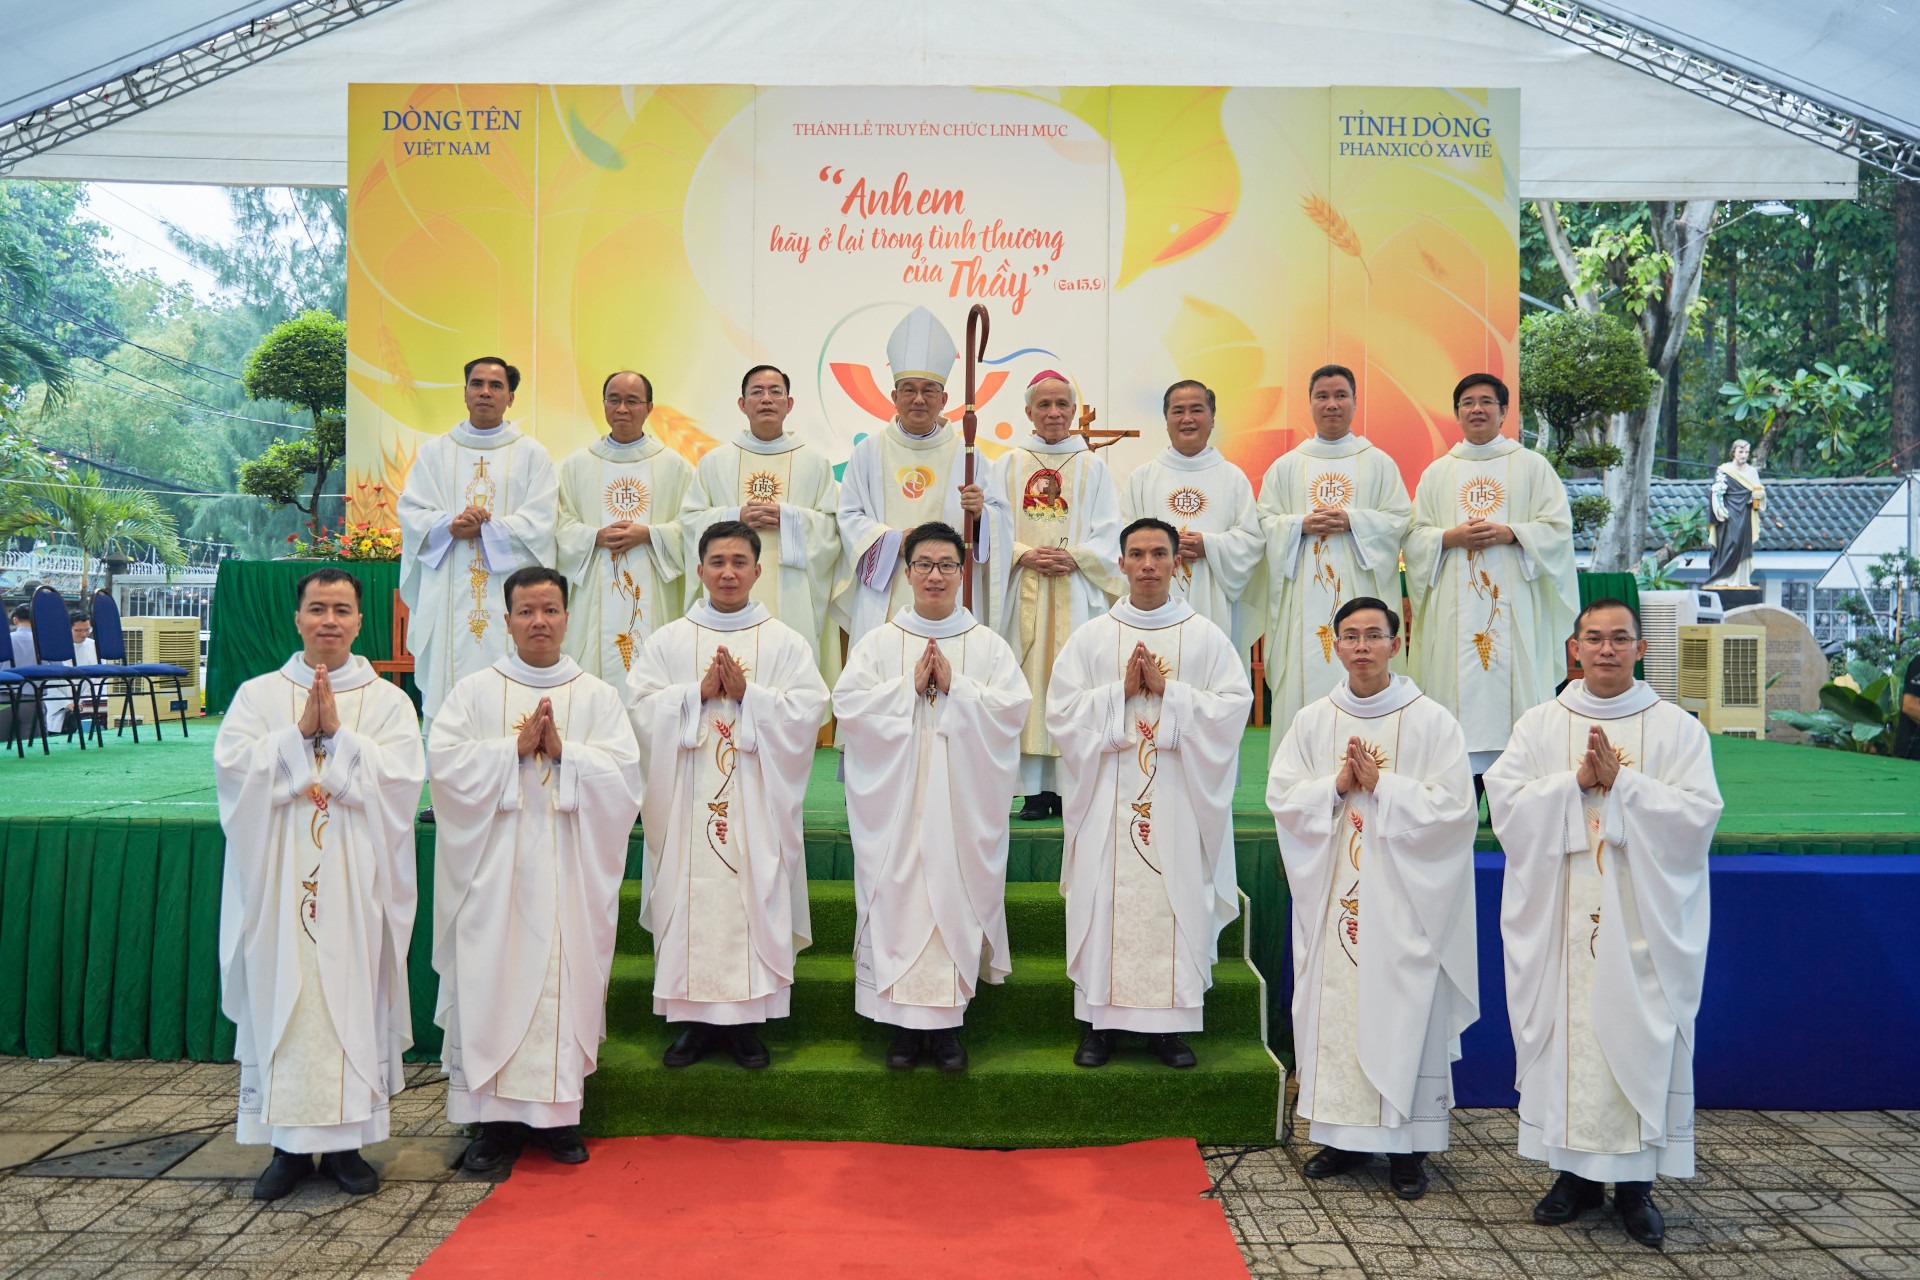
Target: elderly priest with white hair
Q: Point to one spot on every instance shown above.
(1375, 810)
(318, 768)
(1066, 526)
(910, 472)
(536, 781)
(1605, 802)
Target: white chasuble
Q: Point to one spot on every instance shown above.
(893, 482)
(617, 599)
(1312, 575)
(456, 624)
(1490, 626)
(1379, 1006)
(929, 785)
(724, 886)
(528, 857)
(1062, 496)
(1209, 495)
(1148, 867)
(1605, 921)
(798, 559)
(317, 905)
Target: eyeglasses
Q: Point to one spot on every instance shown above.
(919, 393)
(1480, 402)
(945, 568)
(626, 402)
(765, 393)
(1371, 639)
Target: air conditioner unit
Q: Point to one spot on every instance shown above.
(1662, 614)
(1722, 678)
(163, 639)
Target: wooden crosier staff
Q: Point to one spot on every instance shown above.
(969, 427)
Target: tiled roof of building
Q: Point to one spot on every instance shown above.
(1801, 515)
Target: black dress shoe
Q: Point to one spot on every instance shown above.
(283, 1175)
(1095, 1048)
(1572, 1195)
(426, 815)
(691, 1045)
(497, 1147)
(1035, 808)
(1639, 1215)
(904, 1053)
(1053, 803)
(350, 1171)
(1329, 1162)
(946, 1050)
(563, 1144)
(748, 1050)
(1407, 1175)
(1172, 1049)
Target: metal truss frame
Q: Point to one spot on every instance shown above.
(128, 95)
(1838, 130)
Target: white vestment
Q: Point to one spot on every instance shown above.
(929, 782)
(798, 559)
(1377, 1014)
(528, 857)
(1605, 924)
(893, 482)
(456, 614)
(1312, 575)
(724, 888)
(1490, 627)
(1209, 495)
(1061, 496)
(616, 599)
(1148, 869)
(316, 905)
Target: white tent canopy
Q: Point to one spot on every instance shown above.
(1591, 129)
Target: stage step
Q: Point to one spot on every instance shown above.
(829, 1079)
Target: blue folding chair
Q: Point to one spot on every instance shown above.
(110, 643)
(13, 685)
(53, 644)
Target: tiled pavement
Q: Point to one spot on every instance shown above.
(1779, 1194)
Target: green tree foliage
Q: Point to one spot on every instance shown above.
(1822, 408)
(102, 519)
(288, 253)
(77, 314)
(1576, 369)
(302, 362)
(25, 357)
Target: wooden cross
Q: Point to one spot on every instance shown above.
(1097, 440)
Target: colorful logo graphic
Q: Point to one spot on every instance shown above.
(1044, 498)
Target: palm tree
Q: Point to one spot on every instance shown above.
(25, 357)
(103, 519)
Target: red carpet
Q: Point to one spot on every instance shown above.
(688, 1208)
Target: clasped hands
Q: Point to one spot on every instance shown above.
(1049, 562)
(933, 673)
(320, 718)
(622, 535)
(467, 524)
(725, 678)
(760, 516)
(1477, 534)
(1600, 767)
(1358, 770)
(1143, 674)
(1324, 520)
(538, 734)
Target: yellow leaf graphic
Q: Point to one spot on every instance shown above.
(1181, 180)
(1211, 343)
(1338, 230)
(679, 433)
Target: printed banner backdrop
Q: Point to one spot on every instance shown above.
(1129, 236)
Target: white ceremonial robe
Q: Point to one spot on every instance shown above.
(617, 599)
(528, 857)
(928, 786)
(1490, 627)
(893, 482)
(1148, 868)
(1209, 495)
(317, 901)
(1061, 496)
(1377, 1014)
(799, 559)
(451, 587)
(1311, 576)
(724, 886)
(1605, 923)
